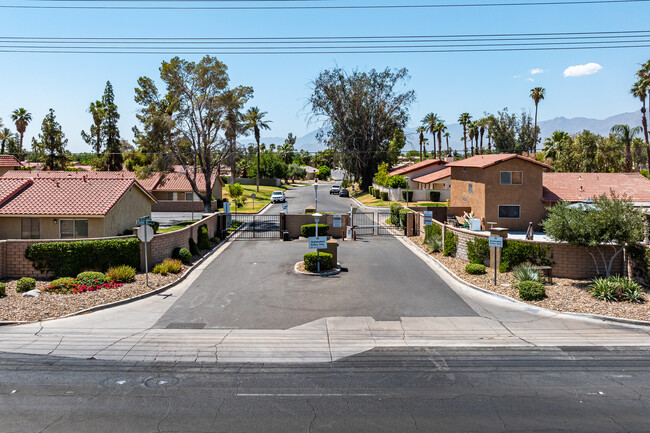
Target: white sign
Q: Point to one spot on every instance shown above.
(496, 241)
(285, 207)
(428, 218)
(337, 220)
(318, 242)
(147, 231)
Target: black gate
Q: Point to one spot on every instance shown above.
(388, 224)
(253, 226)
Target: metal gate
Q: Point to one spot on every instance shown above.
(389, 225)
(379, 223)
(253, 226)
(363, 223)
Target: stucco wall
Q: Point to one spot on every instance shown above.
(10, 227)
(134, 204)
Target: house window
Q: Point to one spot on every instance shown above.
(189, 196)
(470, 187)
(170, 196)
(30, 228)
(72, 229)
(512, 177)
(509, 211)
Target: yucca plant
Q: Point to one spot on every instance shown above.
(605, 289)
(434, 242)
(526, 272)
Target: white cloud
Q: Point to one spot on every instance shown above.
(516, 76)
(536, 71)
(580, 70)
(532, 80)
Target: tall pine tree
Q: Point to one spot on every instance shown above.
(114, 157)
(50, 146)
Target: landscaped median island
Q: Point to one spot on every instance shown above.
(564, 295)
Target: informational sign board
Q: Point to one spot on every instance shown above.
(226, 206)
(285, 207)
(337, 221)
(145, 231)
(428, 218)
(496, 241)
(318, 242)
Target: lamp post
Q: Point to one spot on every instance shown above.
(316, 192)
(316, 218)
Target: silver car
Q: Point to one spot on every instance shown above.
(278, 197)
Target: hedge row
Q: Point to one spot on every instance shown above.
(67, 259)
(312, 259)
(309, 230)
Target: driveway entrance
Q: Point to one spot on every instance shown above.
(255, 226)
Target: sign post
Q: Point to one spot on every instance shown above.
(495, 242)
(145, 233)
(253, 196)
(285, 207)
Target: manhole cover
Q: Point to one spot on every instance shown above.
(185, 326)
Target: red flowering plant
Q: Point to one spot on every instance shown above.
(73, 285)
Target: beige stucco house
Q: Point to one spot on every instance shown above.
(8, 163)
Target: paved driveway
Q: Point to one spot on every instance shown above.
(253, 286)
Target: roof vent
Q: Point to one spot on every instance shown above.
(581, 189)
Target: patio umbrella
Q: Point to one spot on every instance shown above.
(529, 232)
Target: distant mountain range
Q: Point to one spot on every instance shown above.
(547, 127)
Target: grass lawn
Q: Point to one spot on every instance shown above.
(369, 200)
(176, 227)
(262, 197)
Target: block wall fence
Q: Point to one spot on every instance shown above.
(569, 261)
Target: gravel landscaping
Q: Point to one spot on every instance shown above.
(565, 295)
(16, 308)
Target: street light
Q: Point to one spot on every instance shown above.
(316, 218)
(316, 192)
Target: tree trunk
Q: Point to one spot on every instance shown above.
(535, 130)
(440, 144)
(258, 166)
(628, 158)
(644, 122)
(232, 162)
(465, 140)
(20, 149)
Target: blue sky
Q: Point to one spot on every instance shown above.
(447, 84)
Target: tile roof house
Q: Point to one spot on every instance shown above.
(576, 187)
(419, 169)
(72, 207)
(439, 180)
(9, 163)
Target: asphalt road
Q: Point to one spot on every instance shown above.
(553, 389)
(253, 286)
(300, 197)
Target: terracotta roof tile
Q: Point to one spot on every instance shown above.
(416, 166)
(575, 187)
(432, 177)
(483, 161)
(9, 161)
(148, 183)
(9, 187)
(66, 196)
(179, 182)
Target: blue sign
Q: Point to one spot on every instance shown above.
(496, 241)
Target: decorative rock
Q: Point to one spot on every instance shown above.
(32, 293)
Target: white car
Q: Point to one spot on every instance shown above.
(278, 197)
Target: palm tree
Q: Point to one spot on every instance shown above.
(640, 90)
(537, 94)
(421, 130)
(470, 129)
(447, 138)
(625, 135)
(5, 134)
(21, 118)
(255, 120)
(482, 123)
(440, 128)
(98, 111)
(464, 119)
(429, 122)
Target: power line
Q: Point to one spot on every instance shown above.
(305, 7)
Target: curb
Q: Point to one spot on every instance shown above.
(368, 207)
(135, 298)
(583, 316)
(322, 274)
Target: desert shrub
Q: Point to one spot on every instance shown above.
(182, 254)
(25, 284)
(432, 230)
(434, 195)
(194, 248)
(516, 253)
(478, 250)
(434, 242)
(402, 216)
(204, 238)
(410, 194)
(311, 262)
(451, 241)
(526, 272)
(531, 290)
(92, 278)
(67, 259)
(475, 269)
(394, 213)
(615, 289)
(310, 230)
(384, 195)
(160, 269)
(121, 273)
(173, 265)
(2, 290)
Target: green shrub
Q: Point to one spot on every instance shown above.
(432, 230)
(194, 248)
(92, 278)
(310, 230)
(644, 173)
(25, 284)
(2, 290)
(451, 241)
(160, 269)
(478, 250)
(62, 285)
(173, 265)
(434, 195)
(402, 216)
(384, 195)
(121, 274)
(182, 254)
(67, 259)
(434, 242)
(614, 289)
(531, 290)
(475, 269)
(397, 181)
(526, 272)
(394, 213)
(410, 194)
(311, 262)
(155, 226)
(370, 190)
(516, 253)
(204, 238)
(376, 192)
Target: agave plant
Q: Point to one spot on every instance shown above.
(605, 289)
(434, 242)
(526, 272)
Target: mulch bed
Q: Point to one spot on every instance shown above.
(565, 295)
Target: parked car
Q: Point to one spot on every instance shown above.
(278, 197)
(335, 189)
(344, 192)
